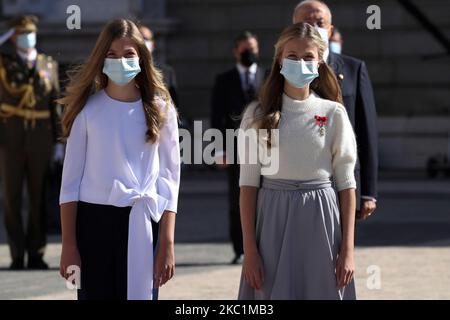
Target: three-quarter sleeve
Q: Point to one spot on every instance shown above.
(74, 161)
(249, 162)
(168, 181)
(344, 153)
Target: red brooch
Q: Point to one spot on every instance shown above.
(321, 121)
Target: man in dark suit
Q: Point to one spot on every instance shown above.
(168, 72)
(359, 101)
(171, 84)
(233, 91)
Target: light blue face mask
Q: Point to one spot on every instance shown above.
(121, 71)
(26, 40)
(335, 47)
(300, 73)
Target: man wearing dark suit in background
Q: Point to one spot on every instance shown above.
(170, 81)
(359, 101)
(233, 91)
(168, 72)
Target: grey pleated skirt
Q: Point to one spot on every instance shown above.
(298, 234)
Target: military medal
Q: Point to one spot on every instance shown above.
(322, 131)
(321, 121)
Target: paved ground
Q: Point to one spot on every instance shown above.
(203, 273)
(406, 244)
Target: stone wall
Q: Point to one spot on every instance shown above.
(410, 76)
(408, 84)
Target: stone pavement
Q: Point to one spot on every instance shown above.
(405, 245)
(203, 273)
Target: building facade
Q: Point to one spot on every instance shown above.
(409, 68)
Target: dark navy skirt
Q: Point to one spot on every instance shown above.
(102, 239)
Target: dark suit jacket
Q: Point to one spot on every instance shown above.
(359, 101)
(228, 99)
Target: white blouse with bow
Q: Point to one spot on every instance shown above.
(109, 162)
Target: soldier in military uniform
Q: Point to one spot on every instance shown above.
(29, 127)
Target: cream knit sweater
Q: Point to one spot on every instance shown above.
(305, 151)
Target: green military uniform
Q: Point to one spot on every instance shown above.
(29, 127)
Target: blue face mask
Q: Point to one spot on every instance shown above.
(121, 71)
(335, 47)
(26, 40)
(300, 73)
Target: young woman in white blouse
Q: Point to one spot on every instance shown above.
(121, 171)
(298, 235)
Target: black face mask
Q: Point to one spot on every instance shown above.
(248, 57)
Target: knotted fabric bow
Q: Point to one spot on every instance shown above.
(321, 120)
(146, 205)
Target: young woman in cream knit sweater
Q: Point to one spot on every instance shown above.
(298, 234)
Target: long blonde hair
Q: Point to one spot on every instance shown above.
(270, 97)
(89, 78)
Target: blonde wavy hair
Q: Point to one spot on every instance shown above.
(89, 78)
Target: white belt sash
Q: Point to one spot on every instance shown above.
(146, 205)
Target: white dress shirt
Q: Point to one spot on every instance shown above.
(242, 73)
(109, 162)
